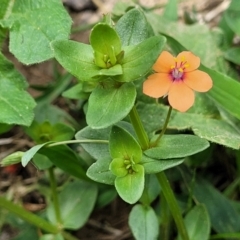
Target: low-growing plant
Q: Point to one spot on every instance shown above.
(158, 100)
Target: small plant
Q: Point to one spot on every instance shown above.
(158, 99)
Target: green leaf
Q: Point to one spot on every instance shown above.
(103, 37)
(42, 132)
(154, 166)
(133, 27)
(139, 59)
(41, 162)
(197, 223)
(15, 103)
(231, 16)
(224, 88)
(130, 187)
(151, 190)
(177, 146)
(96, 150)
(28, 155)
(171, 10)
(100, 150)
(66, 159)
(233, 55)
(99, 172)
(224, 218)
(3, 9)
(108, 106)
(123, 145)
(51, 237)
(76, 212)
(143, 223)
(34, 24)
(214, 130)
(77, 58)
(76, 92)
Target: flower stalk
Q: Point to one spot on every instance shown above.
(173, 205)
(163, 181)
(139, 129)
(164, 127)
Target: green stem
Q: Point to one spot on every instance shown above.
(164, 127)
(53, 186)
(172, 203)
(139, 129)
(165, 218)
(78, 141)
(28, 216)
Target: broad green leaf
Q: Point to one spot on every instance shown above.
(108, 106)
(144, 223)
(96, 150)
(41, 162)
(99, 150)
(3, 9)
(42, 132)
(54, 114)
(224, 218)
(197, 223)
(151, 190)
(133, 27)
(34, 24)
(28, 155)
(139, 59)
(171, 10)
(213, 130)
(5, 128)
(106, 195)
(76, 202)
(66, 159)
(24, 229)
(130, 187)
(123, 145)
(154, 166)
(77, 58)
(76, 92)
(233, 55)
(228, 33)
(231, 16)
(224, 88)
(177, 146)
(51, 237)
(15, 103)
(99, 172)
(104, 39)
(3, 14)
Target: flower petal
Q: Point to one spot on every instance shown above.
(198, 81)
(180, 96)
(157, 85)
(164, 62)
(192, 60)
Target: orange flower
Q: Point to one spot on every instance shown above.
(178, 78)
